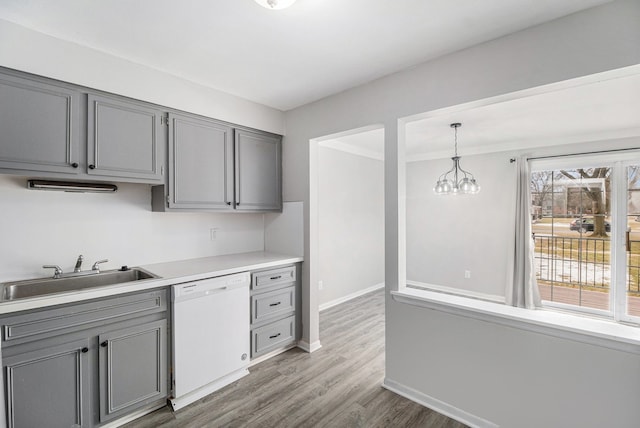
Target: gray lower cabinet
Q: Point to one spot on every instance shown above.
(124, 138)
(133, 368)
(85, 364)
(49, 387)
(275, 309)
(39, 125)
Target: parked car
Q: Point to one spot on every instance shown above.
(585, 224)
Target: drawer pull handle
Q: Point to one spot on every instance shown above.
(274, 336)
(275, 304)
(276, 277)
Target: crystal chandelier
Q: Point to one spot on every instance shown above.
(461, 181)
(275, 4)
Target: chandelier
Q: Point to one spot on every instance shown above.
(275, 4)
(460, 181)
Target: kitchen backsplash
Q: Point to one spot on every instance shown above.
(51, 227)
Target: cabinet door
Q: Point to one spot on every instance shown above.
(133, 368)
(200, 163)
(49, 387)
(38, 126)
(124, 139)
(258, 162)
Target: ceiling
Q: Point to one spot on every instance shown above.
(605, 107)
(287, 58)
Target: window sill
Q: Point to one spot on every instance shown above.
(578, 328)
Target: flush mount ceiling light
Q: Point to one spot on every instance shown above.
(461, 181)
(275, 4)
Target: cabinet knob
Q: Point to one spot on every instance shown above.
(84, 350)
(92, 166)
(75, 164)
(104, 344)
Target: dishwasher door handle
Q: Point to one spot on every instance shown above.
(184, 293)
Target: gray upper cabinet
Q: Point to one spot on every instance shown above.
(213, 166)
(56, 130)
(258, 160)
(200, 163)
(124, 138)
(39, 126)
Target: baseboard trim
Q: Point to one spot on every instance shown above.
(271, 354)
(457, 291)
(135, 415)
(178, 403)
(307, 347)
(437, 405)
(348, 297)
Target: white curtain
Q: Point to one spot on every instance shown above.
(522, 288)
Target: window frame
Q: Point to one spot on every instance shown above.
(618, 162)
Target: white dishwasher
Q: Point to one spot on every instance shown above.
(210, 336)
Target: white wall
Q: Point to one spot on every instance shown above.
(46, 227)
(593, 41)
(27, 50)
(351, 223)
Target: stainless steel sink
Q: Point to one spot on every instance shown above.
(44, 286)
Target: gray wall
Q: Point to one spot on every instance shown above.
(448, 235)
(351, 223)
(593, 41)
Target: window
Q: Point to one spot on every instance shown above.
(585, 215)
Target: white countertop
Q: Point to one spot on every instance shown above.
(170, 273)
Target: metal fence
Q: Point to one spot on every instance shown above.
(582, 262)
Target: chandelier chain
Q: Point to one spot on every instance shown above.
(455, 137)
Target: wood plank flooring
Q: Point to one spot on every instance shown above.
(337, 386)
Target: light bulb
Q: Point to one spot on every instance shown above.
(446, 187)
(465, 186)
(475, 188)
(275, 4)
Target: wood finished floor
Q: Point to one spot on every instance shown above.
(337, 386)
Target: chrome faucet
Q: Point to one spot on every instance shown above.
(79, 264)
(77, 271)
(58, 270)
(95, 268)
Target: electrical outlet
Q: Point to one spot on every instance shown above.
(467, 274)
(213, 233)
(320, 285)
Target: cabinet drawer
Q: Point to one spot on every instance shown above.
(273, 336)
(272, 304)
(49, 322)
(273, 277)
